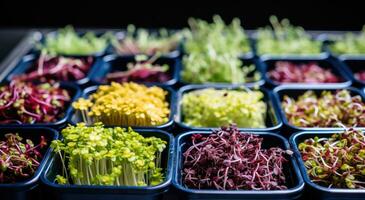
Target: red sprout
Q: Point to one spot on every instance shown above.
(230, 160)
(360, 75)
(57, 68)
(19, 160)
(32, 103)
(289, 72)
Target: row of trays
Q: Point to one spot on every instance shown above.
(326, 40)
(276, 119)
(297, 180)
(278, 132)
(344, 68)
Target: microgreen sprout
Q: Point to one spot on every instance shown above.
(94, 155)
(142, 41)
(215, 107)
(127, 104)
(325, 110)
(31, 103)
(228, 159)
(144, 70)
(311, 72)
(19, 158)
(349, 43)
(68, 42)
(213, 50)
(336, 161)
(284, 38)
(50, 68)
(203, 37)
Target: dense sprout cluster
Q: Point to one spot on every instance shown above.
(19, 159)
(126, 104)
(349, 43)
(50, 68)
(336, 161)
(213, 108)
(325, 110)
(224, 39)
(68, 42)
(141, 41)
(284, 38)
(289, 72)
(144, 70)
(32, 103)
(108, 156)
(228, 159)
(213, 50)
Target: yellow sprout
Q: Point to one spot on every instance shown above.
(127, 104)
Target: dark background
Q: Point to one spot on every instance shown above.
(325, 14)
(17, 16)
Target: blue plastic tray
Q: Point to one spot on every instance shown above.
(247, 59)
(289, 55)
(80, 33)
(28, 62)
(295, 92)
(325, 62)
(247, 55)
(121, 34)
(328, 41)
(86, 192)
(353, 65)
(166, 126)
(273, 121)
(74, 93)
(28, 189)
(114, 63)
(313, 190)
(295, 181)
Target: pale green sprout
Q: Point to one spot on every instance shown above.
(285, 38)
(204, 36)
(68, 42)
(217, 107)
(213, 50)
(349, 43)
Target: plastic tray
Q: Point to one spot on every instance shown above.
(329, 41)
(172, 54)
(74, 94)
(28, 189)
(166, 126)
(87, 192)
(247, 55)
(325, 62)
(280, 91)
(28, 62)
(293, 176)
(273, 121)
(246, 59)
(314, 36)
(315, 191)
(113, 63)
(80, 33)
(353, 65)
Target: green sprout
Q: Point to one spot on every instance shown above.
(284, 38)
(68, 42)
(213, 50)
(349, 43)
(108, 156)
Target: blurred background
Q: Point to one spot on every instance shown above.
(17, 17)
